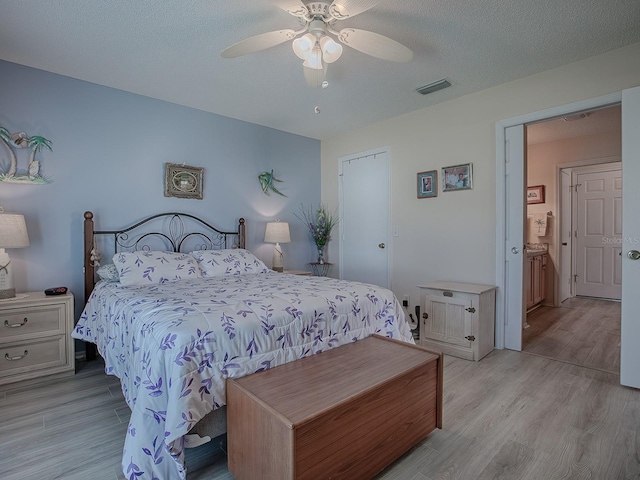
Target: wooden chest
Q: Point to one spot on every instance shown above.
(342, 414)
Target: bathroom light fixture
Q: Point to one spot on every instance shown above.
(576, 116)
(13, 234)
(277, 232)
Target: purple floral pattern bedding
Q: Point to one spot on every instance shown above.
(172, 345)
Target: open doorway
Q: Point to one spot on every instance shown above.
(565, 320)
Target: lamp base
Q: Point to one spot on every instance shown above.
(277, 258)
(7, 290)
(278, 269)
(7, 293)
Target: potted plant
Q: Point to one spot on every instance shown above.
(320, 223)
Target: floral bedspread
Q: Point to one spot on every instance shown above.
(173, 345)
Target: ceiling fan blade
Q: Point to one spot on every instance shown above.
(341, 9)
(375, 45)
(294, 7)
(258, 43)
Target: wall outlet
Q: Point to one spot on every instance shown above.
(405, 301)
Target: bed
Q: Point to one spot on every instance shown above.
(190, 308)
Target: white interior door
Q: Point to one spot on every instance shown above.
(630, 323)
(599, 233)
(515, 182)
(565, 236)
(365, 218)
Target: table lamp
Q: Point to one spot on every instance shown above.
(13, 234)
(277, 232)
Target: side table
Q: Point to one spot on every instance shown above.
(298, 272)
(35, 336)
(320, 269)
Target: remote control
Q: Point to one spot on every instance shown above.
(56, 291)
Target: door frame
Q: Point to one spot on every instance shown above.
(376, 151)
(565, 212)
(501, 191)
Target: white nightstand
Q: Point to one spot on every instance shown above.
(35, 336)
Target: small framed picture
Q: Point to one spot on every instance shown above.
(535, 194)
(183, 181)
(457, 177)
(428, 184)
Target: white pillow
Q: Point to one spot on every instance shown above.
(108, 273)
(146, 268)
(230, 261)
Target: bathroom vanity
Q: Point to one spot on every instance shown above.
(535, 277)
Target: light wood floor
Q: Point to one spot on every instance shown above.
(583, 331)
(510, 416)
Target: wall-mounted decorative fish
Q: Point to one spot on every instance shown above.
(266, 180)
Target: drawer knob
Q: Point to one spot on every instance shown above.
(470, 310)
(15, 325)
(471, 338)
(425, 315)
(19, 357)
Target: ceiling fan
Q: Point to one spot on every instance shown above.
(313, 44)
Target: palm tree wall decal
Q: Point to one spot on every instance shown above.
(36, 143)
(6, 138)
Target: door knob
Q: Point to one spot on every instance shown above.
(633, 254)
(564, 244)
(381, 245)
(514, 250)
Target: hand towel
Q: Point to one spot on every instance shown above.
(540, 224)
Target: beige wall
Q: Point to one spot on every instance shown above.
(542, 159)
(452, 237)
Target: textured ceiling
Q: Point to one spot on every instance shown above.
(169, 49)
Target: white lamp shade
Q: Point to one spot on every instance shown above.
(331, 50)
(314, 59)
(277, 232)
(13, 231)
(314, 68)
(302, 46)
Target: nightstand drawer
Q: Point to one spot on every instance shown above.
(49, 319)
(32, 355)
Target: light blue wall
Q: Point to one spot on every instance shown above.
(109, 150)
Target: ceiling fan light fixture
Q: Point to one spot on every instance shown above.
(314, 77)
(315, 47)
(331, 50)
(303, 46)
(314, 59)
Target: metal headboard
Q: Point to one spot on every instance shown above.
(174, 231)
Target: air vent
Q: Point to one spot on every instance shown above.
(434, 87)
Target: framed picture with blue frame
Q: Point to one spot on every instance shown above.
(428, 184)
